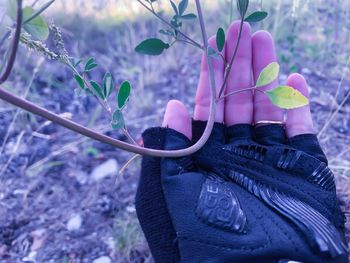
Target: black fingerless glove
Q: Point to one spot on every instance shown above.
(249, 195)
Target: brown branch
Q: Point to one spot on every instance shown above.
(14, 45)
(238, 91)
(35, 109)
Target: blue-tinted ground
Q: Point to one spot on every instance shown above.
(54, 205)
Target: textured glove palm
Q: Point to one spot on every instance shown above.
(248, 195)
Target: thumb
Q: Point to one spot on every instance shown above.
(176, 117)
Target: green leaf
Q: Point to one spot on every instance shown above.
(124, 93)
(108, 85)
(166, 32)
(175, 21)
(213, 53)
(287, 97)
(89, 61)
(79, 80)
(189, 16)
(152, 46)
(174, 7)
(90, 64)
(117, 120)
(268, 74)
(37, 13)
(242, 7)
(37, 27)
(220, 39)
(182, 6)
(256, 16)
(97, 88)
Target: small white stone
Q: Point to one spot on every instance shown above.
(74, 222)
(81, 177)
(103, 259)
(130, 209)
(31, 257)
(105, 169)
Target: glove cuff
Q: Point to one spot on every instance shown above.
(151, 208)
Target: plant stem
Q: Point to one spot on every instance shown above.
(14, 45)
(232, 59)
(185, 41)
(151, 6)
(328, 119)
(37, 13)
(35, 109)
(166, 22)
(212, 111)
(128, 163)
(18, 111)
(239, 91)
(88, 85)
(104, 103)
(334, 115)
(128, 135)
(223, 60)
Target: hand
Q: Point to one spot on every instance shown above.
(250, 194)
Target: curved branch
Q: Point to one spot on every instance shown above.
(31, 107)
(14, 45)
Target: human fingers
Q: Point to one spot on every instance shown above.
(239, 107)
(263, 54)
(202, 106)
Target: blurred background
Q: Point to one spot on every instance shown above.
(63, 197)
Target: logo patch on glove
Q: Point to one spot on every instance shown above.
(219, 206)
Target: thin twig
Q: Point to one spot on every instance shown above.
(14, 45)
(77, 141)
(14, 118)
(166, 22)
(35, 2)
(128, 163)
(128, 135)
(14, 153)
(239, 91)
(334, 114)
(336, 95)
(183, 41)
(346, 150)
(87, 84)
(232, 59)
(38, 12)
(61, 150)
